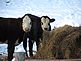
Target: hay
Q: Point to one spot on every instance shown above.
(60, 43)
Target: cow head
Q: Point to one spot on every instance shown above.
(26, 23)
(45, 23)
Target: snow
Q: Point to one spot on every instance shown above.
(3, 48)
(19, 48)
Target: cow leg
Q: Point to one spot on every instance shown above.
(25, 44)
(11, 48)
(20, 39)
(30, 48)
(37, 43)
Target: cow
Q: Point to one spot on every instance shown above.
(13, 29)
(38, 24)
(45, 23)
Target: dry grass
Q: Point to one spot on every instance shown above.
(60, 43)
(3, 58)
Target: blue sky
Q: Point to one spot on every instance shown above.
(64, 11)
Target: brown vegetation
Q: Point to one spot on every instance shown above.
(60, 43)
(3, 58)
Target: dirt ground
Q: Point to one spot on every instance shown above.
(3, 58)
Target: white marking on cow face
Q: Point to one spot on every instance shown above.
(26, 23)
(45, 23)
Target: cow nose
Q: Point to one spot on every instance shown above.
(26, 29)
(46, 28)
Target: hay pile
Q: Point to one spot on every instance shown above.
(60, 43)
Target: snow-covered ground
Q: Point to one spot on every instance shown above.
(64, 11)
(3, 48)
(19, 48)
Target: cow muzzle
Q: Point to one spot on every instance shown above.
(27, 30)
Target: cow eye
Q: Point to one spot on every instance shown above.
(41, 23)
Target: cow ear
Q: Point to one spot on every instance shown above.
(52, 20)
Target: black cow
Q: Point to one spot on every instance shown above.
(37, 26)
(13, 29)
